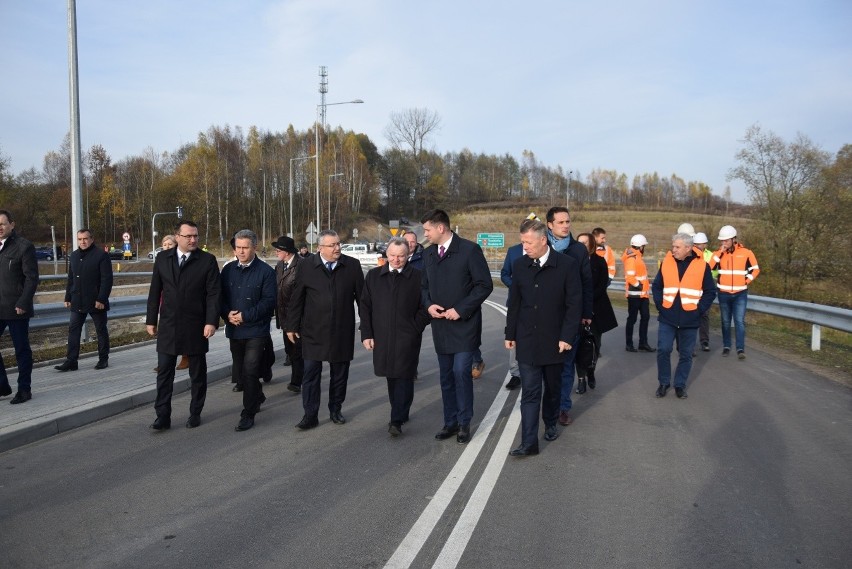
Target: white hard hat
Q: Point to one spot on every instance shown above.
(686, 228)
(638, 240)
(699, 238)
(727, 232)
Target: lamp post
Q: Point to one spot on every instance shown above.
(330, 176)
(291, 187)
(263, 211)
(319, 152)
(568, 190)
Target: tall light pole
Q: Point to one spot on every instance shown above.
(568, 190)
(263, 222)
(319, 151)
(330, 176)
(291, 187)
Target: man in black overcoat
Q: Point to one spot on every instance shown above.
(545, 304)
(87, 294)
(322, 314)
(186, 279)
(456, 281)
(392, 324)
(285, 275)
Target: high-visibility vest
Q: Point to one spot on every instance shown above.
(736, 270)
(608, 255)
(635, 274)
(690, 287)
(708, 257)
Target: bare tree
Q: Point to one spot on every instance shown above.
(410, 128)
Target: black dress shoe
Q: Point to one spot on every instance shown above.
(5, 390)
(590, 379)
(661, 390)
(102, 364)
(307, 423)
(237, 388)
(581, 385)
(337, 418)
(463, 437)
(245, 424)
(680, 392)
(525, 450)
(193, 421)
(447, 432)
(21, 397)
(631, 349)
(394, 429)
(646, 348)
(161, 424)
(551, 433)
(67, 365)
(267, 376)
(294, 388)
(513, 383)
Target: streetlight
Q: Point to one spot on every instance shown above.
(291, 187)
(263, 223)
(319, 152)
(568, 190)
(330, 176)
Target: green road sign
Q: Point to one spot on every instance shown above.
(494, 240)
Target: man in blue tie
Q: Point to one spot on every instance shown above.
(322, 313)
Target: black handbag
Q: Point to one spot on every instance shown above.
(587, 351)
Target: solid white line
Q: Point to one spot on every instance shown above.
(413, 542)
(462, 532)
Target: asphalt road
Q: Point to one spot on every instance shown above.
(753, 470)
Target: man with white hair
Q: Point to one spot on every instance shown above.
(683, 290)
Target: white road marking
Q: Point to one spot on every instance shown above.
(413, 542)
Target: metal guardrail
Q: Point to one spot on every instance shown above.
(53, 314)
(817, 315)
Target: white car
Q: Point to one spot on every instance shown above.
(359, 251)
(153, 254)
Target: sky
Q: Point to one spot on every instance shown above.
(635, 86)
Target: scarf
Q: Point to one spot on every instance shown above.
(559, 245)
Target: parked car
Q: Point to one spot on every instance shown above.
(44, 253)
(153, 254)
(118, 255)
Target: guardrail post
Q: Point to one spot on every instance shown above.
(816, 332)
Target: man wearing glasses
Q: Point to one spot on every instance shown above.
(185, 294)
(322, 313)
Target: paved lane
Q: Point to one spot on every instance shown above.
(751, 471)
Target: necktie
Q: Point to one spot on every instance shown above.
(182, 261)
(330, 264)
(441, 251)
(537, 264)
(286, 265)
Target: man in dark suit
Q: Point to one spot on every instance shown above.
(392, 324)
(18, 283)
(185, 294)
(285, 275)
(87, 294)
(322, 314)
(544, 313)
(456, 281)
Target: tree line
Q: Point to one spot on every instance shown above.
(228, 178)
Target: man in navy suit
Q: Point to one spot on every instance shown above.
(456, 281)
(545, 303)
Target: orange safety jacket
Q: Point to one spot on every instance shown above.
(690, 288)
(737, 269)
(608, 255)
(635, 274)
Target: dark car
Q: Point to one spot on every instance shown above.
(44, 254)
(118, 255)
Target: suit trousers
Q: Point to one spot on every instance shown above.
(166, 380)
(311, 387)
(456, 387)
(637, 307)
(250, 357)
(532, 378)
(75, 328)
(19, 330)
(401, 395)
(297, 363)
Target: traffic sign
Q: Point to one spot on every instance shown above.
(311, 233)
(494, 240)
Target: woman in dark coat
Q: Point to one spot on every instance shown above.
(392, 324)
(604, 316)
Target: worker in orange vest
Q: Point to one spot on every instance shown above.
(605, 251)
(683, 290)
(636, 287)
(737, 268)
